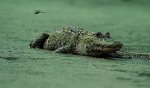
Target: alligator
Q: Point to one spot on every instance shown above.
(76, 40)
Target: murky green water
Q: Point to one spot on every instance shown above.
(22, 67)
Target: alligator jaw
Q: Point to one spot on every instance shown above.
(103, 50)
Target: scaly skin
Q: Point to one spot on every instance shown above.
(76, 40)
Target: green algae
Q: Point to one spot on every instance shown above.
(126, 21)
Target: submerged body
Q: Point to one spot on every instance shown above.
(76, 40)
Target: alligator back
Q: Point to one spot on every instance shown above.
(60, 39)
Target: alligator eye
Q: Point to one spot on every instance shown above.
(107, 34)
(98, 34)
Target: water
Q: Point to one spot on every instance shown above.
(22, 67)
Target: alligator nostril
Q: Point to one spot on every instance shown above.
(118, 44)
(107, 35)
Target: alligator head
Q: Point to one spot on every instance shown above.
(97, 44)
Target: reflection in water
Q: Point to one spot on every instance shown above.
(9, 58)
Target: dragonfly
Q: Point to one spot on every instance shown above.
(38, 11)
